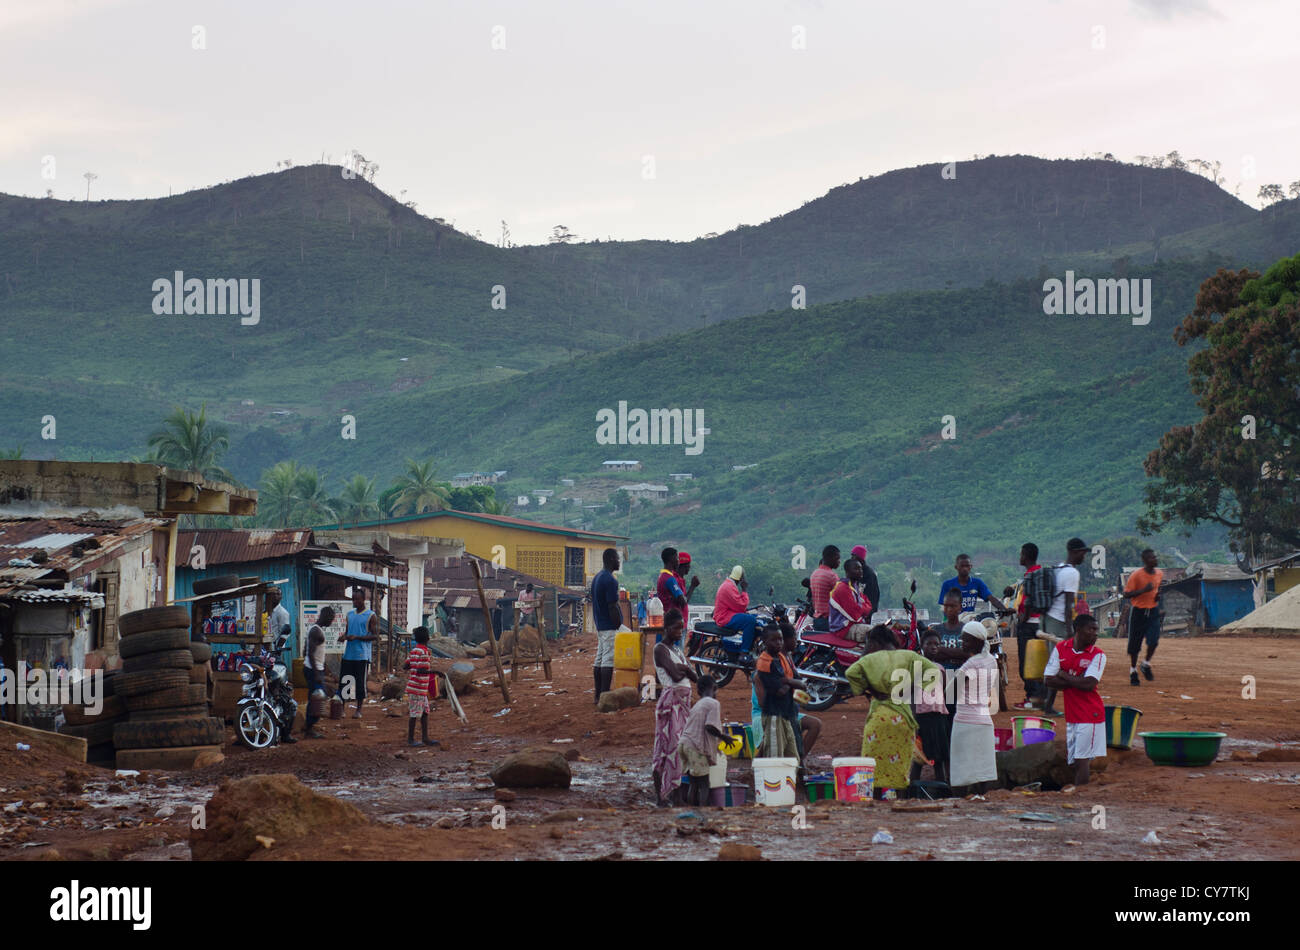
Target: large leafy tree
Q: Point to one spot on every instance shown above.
(1239, 466)
(188, 441)
(357, 502)
(477, 498)
(418, 490)
(280, 493)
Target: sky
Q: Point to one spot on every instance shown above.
(629, 119)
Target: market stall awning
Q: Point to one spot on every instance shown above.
(232, 593)
(356, 575)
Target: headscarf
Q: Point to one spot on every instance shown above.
(977, 630)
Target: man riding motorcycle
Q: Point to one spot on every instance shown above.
(730, 606)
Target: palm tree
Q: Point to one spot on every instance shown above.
(313, 501)
(357, 502)
(279, 493)
(495, 506)
(419, 490)
(188, 442)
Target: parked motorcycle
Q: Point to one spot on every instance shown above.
(266, 712)
(721, 653)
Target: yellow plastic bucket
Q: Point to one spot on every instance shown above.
(1035, 659)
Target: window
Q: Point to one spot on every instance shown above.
(575, 562)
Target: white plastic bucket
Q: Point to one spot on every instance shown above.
(774, 781)
(718, 772)
(854, 778)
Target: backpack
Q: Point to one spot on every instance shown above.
(1040, 590)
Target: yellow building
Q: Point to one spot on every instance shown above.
(562, 556)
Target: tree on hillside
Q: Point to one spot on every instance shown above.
(481, 498)
(418, 489)
(357, 502)
(561, 235)
(278, 493)
(1293, 189)
(1239, 466)
(187, 441)
(1270, 194)
(313, 500)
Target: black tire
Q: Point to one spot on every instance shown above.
(823, 694)
(209, 585)
(199, 673)
(151, 641)
(114, 708)
(170, 712)
(162, 660)
(186, 694)
(149, 681)
(714, 651)
(169, 733)
(152, 618)
(110, 683)
(95, 733)
(202, 652)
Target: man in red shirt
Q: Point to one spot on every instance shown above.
(821, 584)
(1075, 667)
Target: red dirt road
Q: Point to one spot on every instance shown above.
(439, 803)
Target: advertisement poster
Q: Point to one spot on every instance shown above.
(333, 633)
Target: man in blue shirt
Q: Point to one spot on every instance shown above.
(362, 631)
(972, 589)
(608, 617)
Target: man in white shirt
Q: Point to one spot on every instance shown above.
(1058, 622)
(278, 617)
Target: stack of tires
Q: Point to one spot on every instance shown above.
(96, 729)
(164, 687)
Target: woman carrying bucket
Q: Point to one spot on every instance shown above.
(674, 705)
(890, 677)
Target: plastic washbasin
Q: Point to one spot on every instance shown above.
(1182, 748)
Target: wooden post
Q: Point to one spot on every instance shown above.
(514, 650)
(492, 639)
(541, 631)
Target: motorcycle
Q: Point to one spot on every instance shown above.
(721, 653)
(265, 713)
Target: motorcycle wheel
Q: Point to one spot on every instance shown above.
(256, 727)
(715, 652)
(822, 693)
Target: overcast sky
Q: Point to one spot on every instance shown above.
(556, 127)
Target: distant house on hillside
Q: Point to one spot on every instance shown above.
(470, 479)
(680, 476)
(566, 482)
(646, 490)
(621, 465)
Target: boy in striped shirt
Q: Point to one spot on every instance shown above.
(420, 663)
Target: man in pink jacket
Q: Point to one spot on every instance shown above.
(730, 604)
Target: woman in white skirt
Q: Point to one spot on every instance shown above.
(972, 760)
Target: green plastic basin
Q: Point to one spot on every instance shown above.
(1182, 748)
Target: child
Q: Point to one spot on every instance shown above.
(806, 728)
(932, 717)
(1075, 667)
(313, 668)
(698, 748)
(775, 684)
(419, 662)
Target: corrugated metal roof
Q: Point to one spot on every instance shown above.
(92, 599)
(356, 575)
(504, 520)
(67, 542)
(236, 545)
(52, 542)
(455, 573)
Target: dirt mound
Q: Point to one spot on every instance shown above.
(528, 645)
(278, 807)
(1280, 617)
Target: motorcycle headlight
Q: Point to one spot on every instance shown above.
(246, 676)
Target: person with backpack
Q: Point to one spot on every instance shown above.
(1058, 622)
(1035, 600)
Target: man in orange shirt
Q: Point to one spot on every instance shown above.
(1143, 588)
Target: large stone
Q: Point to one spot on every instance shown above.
(625, 697)
(461, 675)
(1040, 762)
(527, 646)
(453, 648)
(269, 806)
(533, 768)
(731, 851)
(393, 688)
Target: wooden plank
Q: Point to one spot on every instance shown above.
(72, 746)
(178, 758)
(492, 640)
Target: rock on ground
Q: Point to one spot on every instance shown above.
(533, 768)
(739, 852)
(461, 675)
(625, 697)
(529, 644)
(453, 648)
(393, 688)
(267, 806)
(1041, 762)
